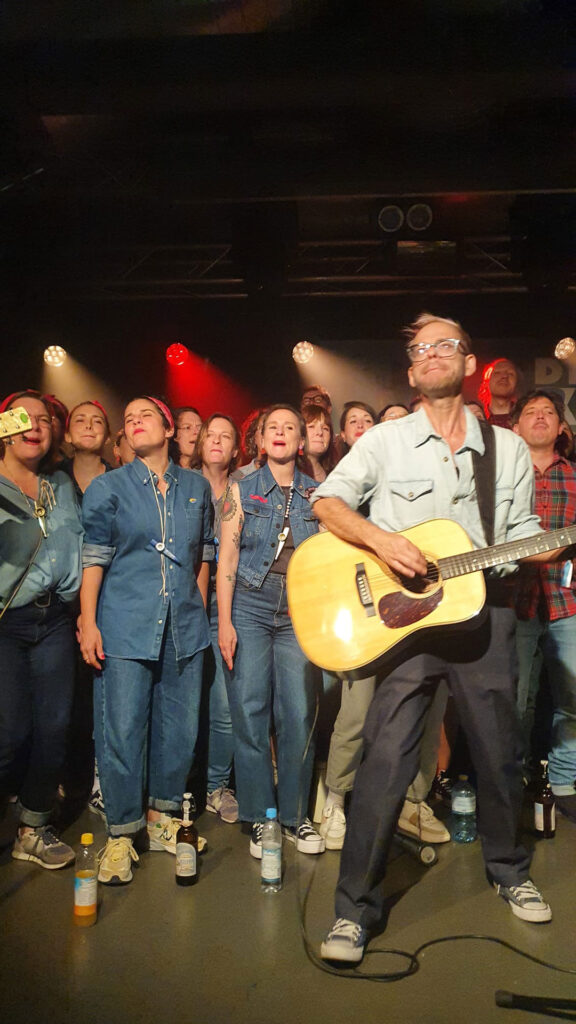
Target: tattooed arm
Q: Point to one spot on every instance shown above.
(229, 552)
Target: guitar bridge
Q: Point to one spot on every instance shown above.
(363, 588)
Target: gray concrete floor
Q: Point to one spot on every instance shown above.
(224, 952)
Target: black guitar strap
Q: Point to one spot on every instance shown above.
(485, 477)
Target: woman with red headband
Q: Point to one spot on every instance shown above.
(87, 431)
(148, 542)
(40, 566)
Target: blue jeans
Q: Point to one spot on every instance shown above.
(145, 729)
(37, 666)
(271, 675)
(552, 644)
(220, 735)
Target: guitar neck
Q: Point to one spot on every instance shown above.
(485, 558)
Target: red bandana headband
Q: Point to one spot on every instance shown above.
(89, 401)
(163, 409)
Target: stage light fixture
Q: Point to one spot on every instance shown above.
(390, 219)
(54, 355)
(302, 352)
(177, 354)
(419, 217)
(565, 348)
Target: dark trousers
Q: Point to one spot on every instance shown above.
(479, 667)
(37, 662)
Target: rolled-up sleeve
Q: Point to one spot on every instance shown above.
(98, 511)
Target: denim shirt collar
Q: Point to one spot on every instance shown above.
(269, 483)
(144, 474)
(423, 431)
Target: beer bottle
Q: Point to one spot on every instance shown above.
(544, 806)
(187, 846)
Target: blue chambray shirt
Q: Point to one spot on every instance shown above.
(408, 474)
(57, 566)
(121, 517)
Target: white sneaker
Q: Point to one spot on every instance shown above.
(115, 861)
(418, 819)
(525, 901)
(162, 835)
(333, 827)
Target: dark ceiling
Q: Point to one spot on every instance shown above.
(206, 151)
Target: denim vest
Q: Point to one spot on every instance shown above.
(263, 506)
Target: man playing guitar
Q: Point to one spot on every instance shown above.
(420, 468)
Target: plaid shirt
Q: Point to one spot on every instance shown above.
(540, 591)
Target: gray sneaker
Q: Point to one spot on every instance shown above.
(43, 847)
(525, 901)
(222, 802)
(345, 942)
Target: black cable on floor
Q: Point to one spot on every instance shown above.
(412, 959)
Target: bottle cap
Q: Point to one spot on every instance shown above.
(187, 796)
(87, 839)
(271, 813)
(463, 778)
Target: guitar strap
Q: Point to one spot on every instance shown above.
(485, 476)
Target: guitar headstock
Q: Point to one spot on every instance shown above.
(14, 421)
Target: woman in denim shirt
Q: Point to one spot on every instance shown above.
(269, 515)
(40, 568)
(144, 628)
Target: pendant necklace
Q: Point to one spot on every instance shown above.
(45, 501)
(286, 524)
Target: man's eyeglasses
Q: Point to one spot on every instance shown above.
(444, 348)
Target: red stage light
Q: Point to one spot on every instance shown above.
(177, 354)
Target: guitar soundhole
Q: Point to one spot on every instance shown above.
(421, 584)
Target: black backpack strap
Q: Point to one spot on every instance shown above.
(485, 477)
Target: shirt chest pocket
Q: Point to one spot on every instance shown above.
(412, 500)
(194, 519)
(257, 520)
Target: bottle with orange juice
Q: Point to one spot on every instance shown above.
(86, 883)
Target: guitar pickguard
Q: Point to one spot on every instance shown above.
(397, 609)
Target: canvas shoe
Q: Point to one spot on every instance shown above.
(115, 861)
(222, 802)
(96, 804)
(43, 847)
(305, 837)
(345, 942)
(525, 901)
(418, 819)
(333, 827)
(256, 840)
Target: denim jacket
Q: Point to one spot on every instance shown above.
(263, 506)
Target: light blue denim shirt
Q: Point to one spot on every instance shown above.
(121, 517)
(408, 474)
(57, 565)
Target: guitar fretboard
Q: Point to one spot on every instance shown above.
(485, 558)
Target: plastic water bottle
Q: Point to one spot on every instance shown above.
(271, 869)
(463, 811)
(86, 883)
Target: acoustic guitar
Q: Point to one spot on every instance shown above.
(349, 609)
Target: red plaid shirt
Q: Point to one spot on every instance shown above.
(540, 591)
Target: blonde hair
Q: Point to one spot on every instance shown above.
(424, 319)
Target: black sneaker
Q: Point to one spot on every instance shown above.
(442, 789)
(345, 942)
(525, 901)
(305, 837)
(256, 840)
